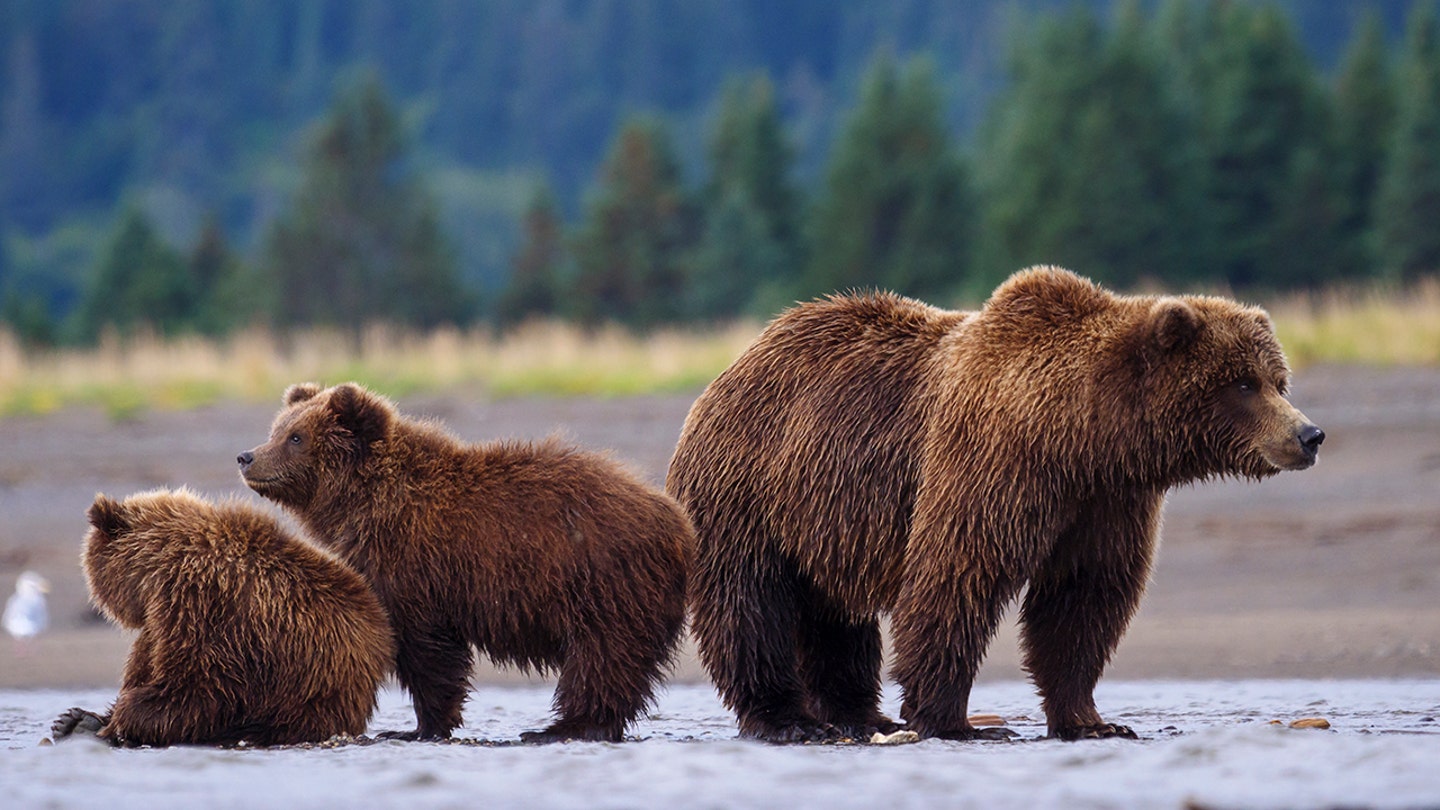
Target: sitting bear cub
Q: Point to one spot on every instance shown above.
(247, 634)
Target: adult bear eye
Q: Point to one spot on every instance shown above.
(294, 438)
(1247, 386)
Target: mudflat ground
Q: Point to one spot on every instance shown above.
(1329, 573)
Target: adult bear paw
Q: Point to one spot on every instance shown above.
(797, 732)
(566, 732)
(1098, 731)
(76, 722)
(988, 733)
(411, 736)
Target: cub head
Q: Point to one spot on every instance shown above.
(1217, 384)
(320, 438)
(126, 549)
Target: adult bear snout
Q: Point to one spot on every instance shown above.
(1311, 437)
(245, 459)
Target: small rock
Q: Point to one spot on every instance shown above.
(897, 738)
(986, 720)
(1310, 722)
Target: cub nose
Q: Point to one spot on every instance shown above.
(1311, 437)
(246, 458)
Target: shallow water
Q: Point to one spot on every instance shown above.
(1208, 744)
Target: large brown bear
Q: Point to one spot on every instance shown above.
(871, 453)
(247, 634)
(540, 555)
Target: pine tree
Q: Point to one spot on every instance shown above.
(363, 241)
(632, 250)
(1267, 152)
(1408, 201)
(1092, 160)
(896, 210)
(222, 284)
(1364, 126)
(140, 281)
(751, 208)
(535, 272)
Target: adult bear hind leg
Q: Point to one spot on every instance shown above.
(840, 660)
(745, 619)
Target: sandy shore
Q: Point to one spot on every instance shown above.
(1329, 573)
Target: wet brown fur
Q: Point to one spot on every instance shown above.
(247, 633)
(541, 555)
(871, 454)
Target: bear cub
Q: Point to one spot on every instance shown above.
(247, 633)
(541, 555)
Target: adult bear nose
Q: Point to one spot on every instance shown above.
(246, 458)
(1311, 437)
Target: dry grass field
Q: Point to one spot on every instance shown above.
(1374, 325)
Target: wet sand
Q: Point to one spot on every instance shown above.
(1329, 573)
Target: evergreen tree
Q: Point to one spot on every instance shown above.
(1364, 125)
(223, 291)
(1093, 162)
(140, 280)
(363, 241)
(750, 206)
(738, 257)
(631, 252)
(1408, 203)
(1267, 153)
(896, 210)
(535, 274)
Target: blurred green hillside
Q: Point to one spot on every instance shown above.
(204, 167)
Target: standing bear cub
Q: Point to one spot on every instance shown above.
(874, 454)
(247, 634)
(540, 555)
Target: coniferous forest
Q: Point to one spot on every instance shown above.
(201, 167)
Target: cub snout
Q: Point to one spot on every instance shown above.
(1311, 437)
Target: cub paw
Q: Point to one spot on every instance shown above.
(76, 722)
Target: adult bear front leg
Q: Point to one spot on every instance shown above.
(943, 622)
(1079, 603)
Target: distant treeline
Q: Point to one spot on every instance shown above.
(1184, 143)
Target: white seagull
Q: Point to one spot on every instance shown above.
(25, 613)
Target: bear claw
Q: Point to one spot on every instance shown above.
(1101, 731)
(990, 733)
(791, 733)
(77, 721)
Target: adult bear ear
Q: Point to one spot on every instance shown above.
(300, 392)
(1174, 324)
(365, 415)
(107, 515)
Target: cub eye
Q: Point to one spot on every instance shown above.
(1247, 386)
(294, 438)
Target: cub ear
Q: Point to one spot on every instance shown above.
(107, 515)
(1175, 324)
(366, 415)
(300, 392)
